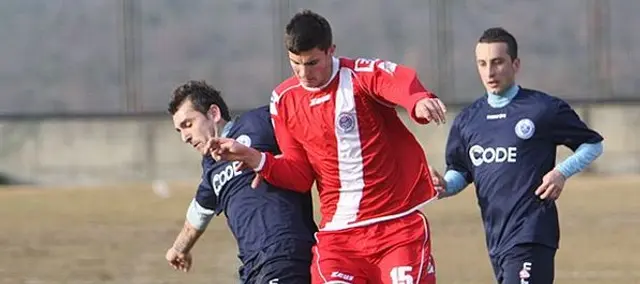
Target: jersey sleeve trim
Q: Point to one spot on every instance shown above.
(263, 159)
(454, 182)
(198, 216)
(581, 159)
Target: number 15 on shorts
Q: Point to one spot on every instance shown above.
(401, 275)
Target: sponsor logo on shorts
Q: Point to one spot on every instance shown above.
(342, 275)
(525, 273)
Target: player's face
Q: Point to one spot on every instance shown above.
(497, 70)
(196, 128)
(313, 68)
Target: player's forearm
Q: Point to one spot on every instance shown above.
(580, 159)
(187, 238)
(289, 174)
(196, 222)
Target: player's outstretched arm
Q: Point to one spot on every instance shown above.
(179, 255)
(458, 175)
(197, 219)
(399, 85)
(289, 170)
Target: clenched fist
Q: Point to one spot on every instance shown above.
(178, 260)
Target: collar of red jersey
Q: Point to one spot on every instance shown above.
(335, 62)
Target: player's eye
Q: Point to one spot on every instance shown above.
(311, 63)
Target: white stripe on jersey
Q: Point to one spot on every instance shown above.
(350, 164)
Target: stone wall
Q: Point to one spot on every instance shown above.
(99, 151)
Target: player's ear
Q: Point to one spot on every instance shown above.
(331, 50)
(516, 64)
(214, 113)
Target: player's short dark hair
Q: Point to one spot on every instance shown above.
(306, 31)
(499, 34)
(201, 95)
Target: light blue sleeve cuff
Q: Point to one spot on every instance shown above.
(198, 216)
(455, 182)
(580, 159)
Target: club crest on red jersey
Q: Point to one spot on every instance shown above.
(346, 122)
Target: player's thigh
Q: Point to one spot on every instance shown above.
(412, 261)
(333, 264)
(528, 264)
(284, 271)
(286, 261)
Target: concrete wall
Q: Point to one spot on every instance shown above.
(114, 150)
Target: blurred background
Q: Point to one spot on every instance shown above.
(85, 83)
(84, 87)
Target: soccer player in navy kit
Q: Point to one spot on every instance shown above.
(505, 143)
(273, 227)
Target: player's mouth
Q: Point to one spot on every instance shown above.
(308, 82)
(493, 83)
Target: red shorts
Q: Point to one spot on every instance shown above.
(392, 252)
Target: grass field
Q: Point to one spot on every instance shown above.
(120, 235)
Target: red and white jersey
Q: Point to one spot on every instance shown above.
(347, 137)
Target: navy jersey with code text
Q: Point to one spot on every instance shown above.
(261, 217)
(506, 152)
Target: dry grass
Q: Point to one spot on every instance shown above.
(120, 234)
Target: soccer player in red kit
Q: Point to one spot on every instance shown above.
(336, 124)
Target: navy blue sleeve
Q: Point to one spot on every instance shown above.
(258, 125)
(205, 196)
(456, 152)
(567, 129)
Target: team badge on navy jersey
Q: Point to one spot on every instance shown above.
(244, 140)
(525, 128)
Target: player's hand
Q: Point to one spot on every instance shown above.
(178, 260)
(438, 183)
(431, 109)
(232, 150)
(552, 185)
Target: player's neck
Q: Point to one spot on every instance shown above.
(223, 128)
(503, 98)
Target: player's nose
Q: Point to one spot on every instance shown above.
(305, 72)
(302, 73)
(186, 138)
